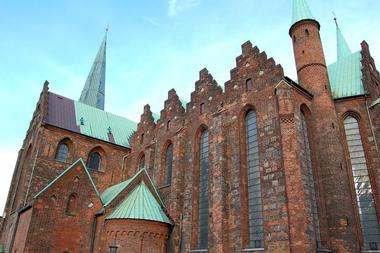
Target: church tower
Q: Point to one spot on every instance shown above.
(332, 182)
(93, 93)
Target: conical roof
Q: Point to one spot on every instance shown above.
(301, 11)
(343, 49)
(93, 93)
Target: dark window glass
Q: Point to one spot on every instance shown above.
(142, 162)
(249, 85)
(62, 152)
(169, 164)
(255, 215)
(72, 204)
(168, 125)
(203, 191)
(202, 108)
(309, 182)
(94, 161)
(142, 138)
(364, 193)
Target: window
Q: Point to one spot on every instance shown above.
(168, 125)
(94, 161)
(203, 211)
(248, 85)
(307, 32)
(202, 108)
(62, 152)
(306, 166)
(169, 164)
(141, 138)
(72, 204)
(142, 162)
(255, 214)
(364, 194)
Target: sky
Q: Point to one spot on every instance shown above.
(153, 46)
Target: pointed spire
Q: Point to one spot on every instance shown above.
(301, 11)
(93, 93)
(342, 47)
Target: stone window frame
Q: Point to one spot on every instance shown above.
(371, 174)
(103, 160)
(244, 179)
(69, 144)
(195, 193)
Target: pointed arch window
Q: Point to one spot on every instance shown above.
(72, 204)
(62, 152)
(255, 214)
(307, 167)
(94, 161)
(169, 164)
(203, 209)
(249, 85)
(142, 162)
(363, 189)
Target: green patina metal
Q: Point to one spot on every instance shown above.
(140, 204)
(346, 76)
(64, 172)
(342, 47)
(100, 124)
(301, 11)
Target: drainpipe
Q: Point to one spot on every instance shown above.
(31, 177)
(180, 232)
(372, 130)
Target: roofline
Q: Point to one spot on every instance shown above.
(297, 86)
(160, 222)
(350, 97)
(115, 144)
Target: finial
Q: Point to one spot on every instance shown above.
(335, 19)
(107, 28)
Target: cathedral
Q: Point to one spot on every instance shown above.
(263, 164)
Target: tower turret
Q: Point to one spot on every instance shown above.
(335, 210)
(93, 93)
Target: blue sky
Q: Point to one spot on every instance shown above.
(153, 46)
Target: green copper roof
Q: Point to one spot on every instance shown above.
(140, 204)
(342, 47)
(301, 11)
(346, 76)
(103, 125)
(93, 92)
(64, 172)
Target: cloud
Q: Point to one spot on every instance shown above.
(177, 6)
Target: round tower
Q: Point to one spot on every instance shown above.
(335, 211)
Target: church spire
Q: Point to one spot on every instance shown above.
(342, 47)
(94, 89)
(301, 11)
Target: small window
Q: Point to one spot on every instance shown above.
(249, 85)
(94, 161)
(202, 108)
(168, 125)
(62, 152)
(72, 204)
(142, 138)
(307, 32)
(294, 39)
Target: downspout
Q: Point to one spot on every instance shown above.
(180, 232)
(122, 166)
(372, 130)
(31, 177)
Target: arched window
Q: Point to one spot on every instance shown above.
(72, 204)
(307, 167)
(94, 161)
(255, 214)
(142, 162)
(169, 164)
(203, 211)
(62, 152)
(249, 85)
(364, 194)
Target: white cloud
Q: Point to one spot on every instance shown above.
(177, 6)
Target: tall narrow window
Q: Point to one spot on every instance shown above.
(94, 161)
(202, 108)
(249, 85)
(169, 164)
(255, 214)
(363, 189)
(308, 181)
(203, 191)
(72, 204)
(62, 152)
(142, 162)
